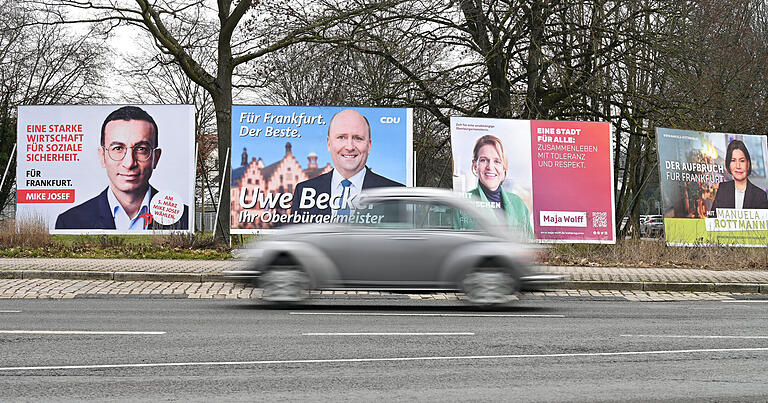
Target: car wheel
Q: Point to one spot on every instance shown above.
(488, 287)
(284, 285)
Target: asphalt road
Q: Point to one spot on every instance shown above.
(543, 350)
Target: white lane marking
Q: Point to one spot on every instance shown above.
(693, 336)
(10, 311)
(391, 359)
(88, 332)
(392, 334)
(745, 300)
(460, 315)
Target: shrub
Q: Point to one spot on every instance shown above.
(183, 240)
(30, 232)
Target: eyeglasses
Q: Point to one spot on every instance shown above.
(140, 152)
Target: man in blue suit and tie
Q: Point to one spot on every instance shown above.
(349, 143)
(129, 153)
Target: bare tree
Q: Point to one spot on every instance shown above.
(325, 74)
(626, 62)
(701, 71)
(560, 59)
(635, 63)
(178, 27)
(153, 78)
(42, 64)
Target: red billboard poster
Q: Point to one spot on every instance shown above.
(550, 181)
(572, 181)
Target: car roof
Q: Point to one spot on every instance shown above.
(411, 192)
(432, 194)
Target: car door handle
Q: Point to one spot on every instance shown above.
(407, 238)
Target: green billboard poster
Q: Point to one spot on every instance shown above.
(713, 188)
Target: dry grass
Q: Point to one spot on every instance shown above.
(98, 241)
(187, 241)
(27, 233)
(30, 238)
(645, 253)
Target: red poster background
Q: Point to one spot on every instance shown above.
(45, 196)
(585, 188)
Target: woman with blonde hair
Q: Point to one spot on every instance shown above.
(489, 164)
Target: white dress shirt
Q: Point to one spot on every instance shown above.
(354, 189)
(739, 197)
(122, 221)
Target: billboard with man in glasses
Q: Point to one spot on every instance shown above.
(146, 153)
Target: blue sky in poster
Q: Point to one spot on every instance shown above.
(389, 128)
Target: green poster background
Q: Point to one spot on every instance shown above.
(691, 167)
(692, 232)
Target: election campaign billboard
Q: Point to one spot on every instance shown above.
(550, 181)
(307, 164)
(106, 169)
(713, 188)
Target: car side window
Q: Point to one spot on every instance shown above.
(441, 216)
(385, 214)
(408, 214)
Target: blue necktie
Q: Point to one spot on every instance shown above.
(345, 184)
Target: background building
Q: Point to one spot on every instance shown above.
(276, 178)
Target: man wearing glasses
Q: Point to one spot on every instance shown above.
(129, 152)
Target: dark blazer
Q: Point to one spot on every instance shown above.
(754, 197)
(95, 214)
(322, 184)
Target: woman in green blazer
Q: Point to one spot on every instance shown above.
(489, 164)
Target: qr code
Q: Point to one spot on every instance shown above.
(600, 219)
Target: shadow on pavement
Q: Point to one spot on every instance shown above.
(392, 306)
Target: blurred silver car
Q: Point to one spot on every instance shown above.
(412, 239)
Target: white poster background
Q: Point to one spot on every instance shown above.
(175, 171)
(515, 135)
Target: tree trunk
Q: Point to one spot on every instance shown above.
(222, 101)
(533, 69)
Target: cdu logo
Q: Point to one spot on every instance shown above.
(389, 119)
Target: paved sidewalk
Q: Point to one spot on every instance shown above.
(117, 269)
(69, 289)
(202, 271)
(119, 265)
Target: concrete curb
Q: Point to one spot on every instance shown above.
(11, 274)
(151, 276)
(217, 277)
(111, 276)
(662, 286)
(66, 275)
